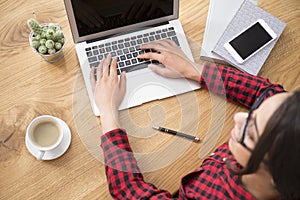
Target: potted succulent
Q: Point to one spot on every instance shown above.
(47, 40)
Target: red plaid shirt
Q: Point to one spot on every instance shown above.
(210, 181)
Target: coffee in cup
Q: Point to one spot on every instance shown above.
(45, 133)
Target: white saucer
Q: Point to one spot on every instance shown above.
(58, 151)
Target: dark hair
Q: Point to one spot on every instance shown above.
(280, 142)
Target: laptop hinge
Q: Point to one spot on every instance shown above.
(124, 33)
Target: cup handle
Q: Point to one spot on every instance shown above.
(40, 155)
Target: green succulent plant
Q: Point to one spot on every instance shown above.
(46, 39)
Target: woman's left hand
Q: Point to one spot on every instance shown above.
(108, 91)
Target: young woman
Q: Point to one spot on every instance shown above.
(260, 160)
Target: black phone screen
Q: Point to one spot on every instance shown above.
(250, 40)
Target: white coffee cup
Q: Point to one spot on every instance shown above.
(44, 133)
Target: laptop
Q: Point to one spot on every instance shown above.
(120, 27)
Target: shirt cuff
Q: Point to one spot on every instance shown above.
(116, 137)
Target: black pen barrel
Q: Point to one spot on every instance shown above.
(190, 137)
(183, 135)
(170, 131)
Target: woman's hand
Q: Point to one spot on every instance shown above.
(176, 64)
(108, 92)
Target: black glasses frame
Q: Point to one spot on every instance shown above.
(257, 103)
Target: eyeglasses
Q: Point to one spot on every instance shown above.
(241, 137)
(245, 128)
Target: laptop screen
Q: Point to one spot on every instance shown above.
(100, 16)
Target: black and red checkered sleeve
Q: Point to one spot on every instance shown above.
(123, 175)
(237, 86)
(213, 180)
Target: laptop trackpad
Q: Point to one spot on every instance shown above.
(148, 86)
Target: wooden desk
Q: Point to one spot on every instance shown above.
(30, 87)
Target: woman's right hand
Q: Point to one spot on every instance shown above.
(176, 64)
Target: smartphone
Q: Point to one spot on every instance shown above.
(250, 41)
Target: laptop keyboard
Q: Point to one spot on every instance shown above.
(127, 50)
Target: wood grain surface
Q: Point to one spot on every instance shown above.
(31, 87)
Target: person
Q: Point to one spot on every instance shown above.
(260, 160)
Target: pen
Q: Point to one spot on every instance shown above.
(183, 135)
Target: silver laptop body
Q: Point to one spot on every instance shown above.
(117, 23)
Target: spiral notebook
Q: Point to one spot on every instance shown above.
(247, 14)
(219, 15)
